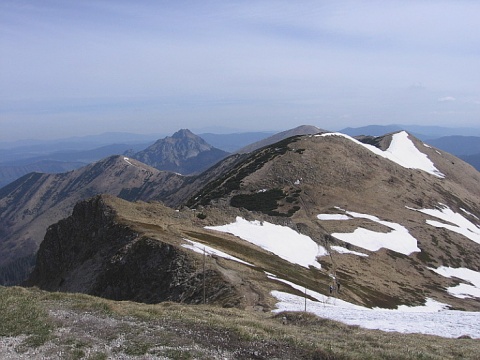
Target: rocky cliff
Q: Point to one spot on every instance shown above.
(32, 203)
(95, 251)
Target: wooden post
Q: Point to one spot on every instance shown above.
(204, 299)
(305, 300)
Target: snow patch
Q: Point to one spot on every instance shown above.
(280, 240)
(333, 217)
(316, 295)
(461, 291)
(399, 239)
(127, 160)
(469, 213)
(401, 151)
(456, 222)
(200, 248)
(342, 250)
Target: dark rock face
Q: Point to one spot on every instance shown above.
(32, 203)
(90, 252)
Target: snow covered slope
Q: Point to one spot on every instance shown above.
(364, 205)
(280, 240)
(401, 151)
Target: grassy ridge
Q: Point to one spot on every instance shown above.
(101, 329)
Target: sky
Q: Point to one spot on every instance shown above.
(70, 68)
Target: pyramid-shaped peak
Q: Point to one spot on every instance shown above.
(183, 133)
(183, 152)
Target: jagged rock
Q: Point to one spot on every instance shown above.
(32, 203)
(93, 252)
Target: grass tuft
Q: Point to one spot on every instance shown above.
(21, 315)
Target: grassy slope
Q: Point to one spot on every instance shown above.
(59, 325)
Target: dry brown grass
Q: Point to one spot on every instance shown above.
(385, 279)
(87, 327)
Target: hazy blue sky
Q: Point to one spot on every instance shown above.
(86, 67)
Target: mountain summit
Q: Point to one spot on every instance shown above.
(183, 152)
(389, 213)
(299, 130)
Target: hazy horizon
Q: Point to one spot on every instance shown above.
(84, 68)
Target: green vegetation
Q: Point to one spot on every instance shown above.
(177, 331)
(137, 348)
(265, 201)
(22, 315)
(233, 178)
(130, 194)
(372, 140)
(425, 257)
(98, 356)
(27, 182)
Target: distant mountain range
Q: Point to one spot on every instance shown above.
(381, 216)
(20, 158)
(473, 160)
(420, 131)
(457, 145)
(18, 162)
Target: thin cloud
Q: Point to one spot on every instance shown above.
(446, 99)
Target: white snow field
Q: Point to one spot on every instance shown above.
(433, 318)
(430, 319)
(280, 240)
(399, 239)
(453, 221)
(401, 151)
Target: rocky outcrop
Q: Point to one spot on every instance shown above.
(96, 253)
(35, 201)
